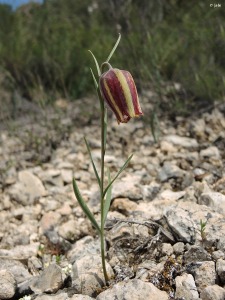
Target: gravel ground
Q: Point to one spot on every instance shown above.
(156, 245)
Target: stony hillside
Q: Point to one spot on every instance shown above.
(166, 227)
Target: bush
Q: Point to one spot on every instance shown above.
(44, 47)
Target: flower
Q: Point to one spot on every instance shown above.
(119, 91)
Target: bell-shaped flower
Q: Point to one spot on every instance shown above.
(119, 91)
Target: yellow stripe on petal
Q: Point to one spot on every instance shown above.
(115, 106)
(127, 93)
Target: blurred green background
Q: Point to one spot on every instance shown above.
(44, 48)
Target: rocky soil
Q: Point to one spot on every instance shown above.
(165, 233)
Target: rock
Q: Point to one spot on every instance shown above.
(198, 128)
(81, 297)
(61, 296)
(184, 221)
(178, 248)
(214, 200)
(218, 254)
(220, 269)
(84, 246)
(51, 177)
(65, 210)
(67, 176)
(34, 265)
(49, 281)
(185, 287)
(181, 224)
(167, 249)
(154, 210)
(167, 147)
(32, 185)
(196, 254)
(205, 275)
(7, 284)
(57, 241)
(149, 269)
(88, 275)
(210, 152)
(49, 204)
(15, 267)
(213, 292)
(73, 229)
(169, 170)
(16, 192)
(127, 188)
(20, 252)
(124, 206)
(133, 289)
(150, 191)
(122, 230)
(168, 194)
(181, 141)
(48, 221)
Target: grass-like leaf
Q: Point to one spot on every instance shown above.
(114, 48)
(96, 63)
(107, 199)
(94, 79)
(118, 174)
(85, 207)
(154, 124)
(92, 162)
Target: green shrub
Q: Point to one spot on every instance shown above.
(44, 47)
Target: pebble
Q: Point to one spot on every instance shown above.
(170, 195)
(61, 296)
(81, 297)
(167, 249)
(196, 254)
(181, 223)
(88, 276)
(210, 152)
(169, 170)
(205, 275)
(133, 289)
(218, 254)
(32, 185)
(50, 281)
(213, 292)
(84, 246)
(186, 288)
(178, 248)
(181, 141)
(16, 268)
(7, 285)
(214, 200)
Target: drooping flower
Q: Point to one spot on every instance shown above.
(119, 91)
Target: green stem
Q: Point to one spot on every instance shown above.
(102, 235)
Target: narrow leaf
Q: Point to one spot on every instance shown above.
(114, 48)
(118, 174)
(154, 124)
(95, 81)
(108, 199)
(92, 162)
(84, 206)
(96, 63)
